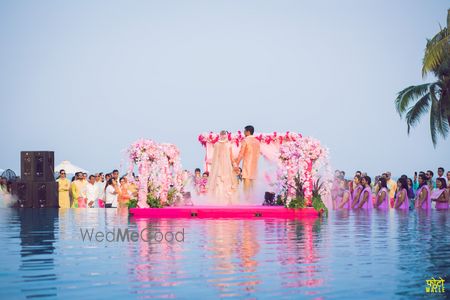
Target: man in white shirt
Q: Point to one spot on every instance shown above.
(91, 192)
(100, 185)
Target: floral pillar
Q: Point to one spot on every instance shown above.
(144, 168)
(291, 191)
(309, 182)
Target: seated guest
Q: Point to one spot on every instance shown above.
(365, 199)
(440, 195)
(203, 188)
(402, 196)
(423, 196)
(382, 198)
(197, 180)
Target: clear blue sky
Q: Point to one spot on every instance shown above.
(87, 78)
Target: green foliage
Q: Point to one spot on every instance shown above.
(280, 200)
(318, 204)
(317, 187)
(133, 203)
(171, 196)
(414, 102)
(436, 49)
(299, 193)
(153, 202)
(297, 202)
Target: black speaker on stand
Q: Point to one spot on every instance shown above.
(37, 187)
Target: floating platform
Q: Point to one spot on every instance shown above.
(236, 211)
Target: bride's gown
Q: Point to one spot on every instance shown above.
(222, 182)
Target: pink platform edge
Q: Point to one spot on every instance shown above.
(235, 211)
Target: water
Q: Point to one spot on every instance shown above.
(347, 255)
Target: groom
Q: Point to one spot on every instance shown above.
(249, 153)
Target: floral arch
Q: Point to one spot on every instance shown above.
(302, 161)
(159, 168)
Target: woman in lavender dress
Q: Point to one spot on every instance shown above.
(365, 198)
(440, 194)
(356, 191)
(402, 197)
(382, 199)
(347, 196)
(339, 194)
(423, 196)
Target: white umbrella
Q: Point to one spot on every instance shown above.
(69, 168)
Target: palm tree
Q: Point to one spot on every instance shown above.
(434, 96)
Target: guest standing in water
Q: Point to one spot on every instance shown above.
(423, 197)
(402, 195)
(382, 199)
(357, 190)
(100, 186)
(392, 187)
(63, 190)
(123, 196)
(111, 193)
(339, 196)
(347, 196)
(91, 192)
(440, 195)
(249, 154)
(365, 199)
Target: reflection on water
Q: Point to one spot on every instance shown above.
(350, 255)
(37, 252)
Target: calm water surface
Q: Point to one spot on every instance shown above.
(347, 255)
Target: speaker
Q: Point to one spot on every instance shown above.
(45, 194)
(37, 166)
(35, 194)
(23, 191)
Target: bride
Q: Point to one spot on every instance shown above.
(222, 183)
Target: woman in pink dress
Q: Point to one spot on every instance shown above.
(365, 199)
(382, 198)
(401, 198)
(346, 200)
(423, 195)
(358, 187)
(341, 192)
(440, 194)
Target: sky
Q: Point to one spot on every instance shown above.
(87, 78)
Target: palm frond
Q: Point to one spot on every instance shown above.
(408, 95)
(436, 49)
(434, 117)
(441, 118)
(422, 106)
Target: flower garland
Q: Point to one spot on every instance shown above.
(159, 169)
(237, 138)
(301, 161)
